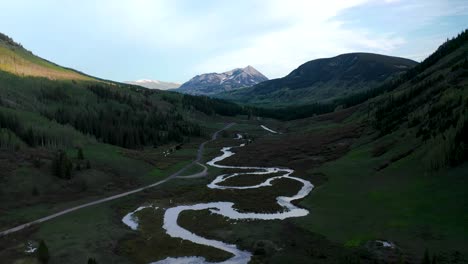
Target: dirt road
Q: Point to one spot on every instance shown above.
(200, 151)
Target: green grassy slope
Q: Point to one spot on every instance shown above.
(19, 61)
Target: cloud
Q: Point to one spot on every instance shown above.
(312, 30)
(275, 36)
(176, 39)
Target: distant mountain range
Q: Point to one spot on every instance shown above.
(214, 83)
(155, 84)
(324, 79)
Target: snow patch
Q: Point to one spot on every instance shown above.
(147, 81)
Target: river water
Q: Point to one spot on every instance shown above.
(226, 209)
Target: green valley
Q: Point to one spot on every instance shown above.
(361, 158)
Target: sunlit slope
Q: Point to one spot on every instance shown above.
(19, 61)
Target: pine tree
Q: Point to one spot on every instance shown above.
(35, 191)
(43, 253)
(426, 259)
(61, 165)
(92, 261)
(401, 259)
(80, 154)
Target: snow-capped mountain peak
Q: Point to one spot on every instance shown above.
(155, 84)
(213, 83)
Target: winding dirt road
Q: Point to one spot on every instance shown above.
(200, 151)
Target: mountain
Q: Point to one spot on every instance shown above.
(155, 84)
(213, 83)
(324, 79)
(18, 61)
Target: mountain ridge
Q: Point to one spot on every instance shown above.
(213, 83)
(323, 79)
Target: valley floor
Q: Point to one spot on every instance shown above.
(366, 189)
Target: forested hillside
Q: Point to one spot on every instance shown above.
(323, 80)
(432, 101)
(111, 114)
(65, 136)
(40, 100)
(445, 67)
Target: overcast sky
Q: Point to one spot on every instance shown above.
(173, 40)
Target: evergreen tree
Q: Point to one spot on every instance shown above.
(401, 259)
(80, 154)
(61, 165)
(92, 261)
(426, 259)
(35, 191)
(43, 253)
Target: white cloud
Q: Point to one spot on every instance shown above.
(274, 36)
(176, 39)
(312, 31)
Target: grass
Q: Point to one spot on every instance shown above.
(112, 157)
(357, 203)
(140, 247)
(158, 174)
(23, 63)
(268, 237)
(195, 168)
(94, 231)
(402, 203)
(111, 172)
(75, 237)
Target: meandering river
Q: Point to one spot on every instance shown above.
(227, 209)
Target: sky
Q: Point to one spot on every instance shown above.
(174, 40)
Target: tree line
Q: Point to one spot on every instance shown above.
(31, 135)
(120, 119)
